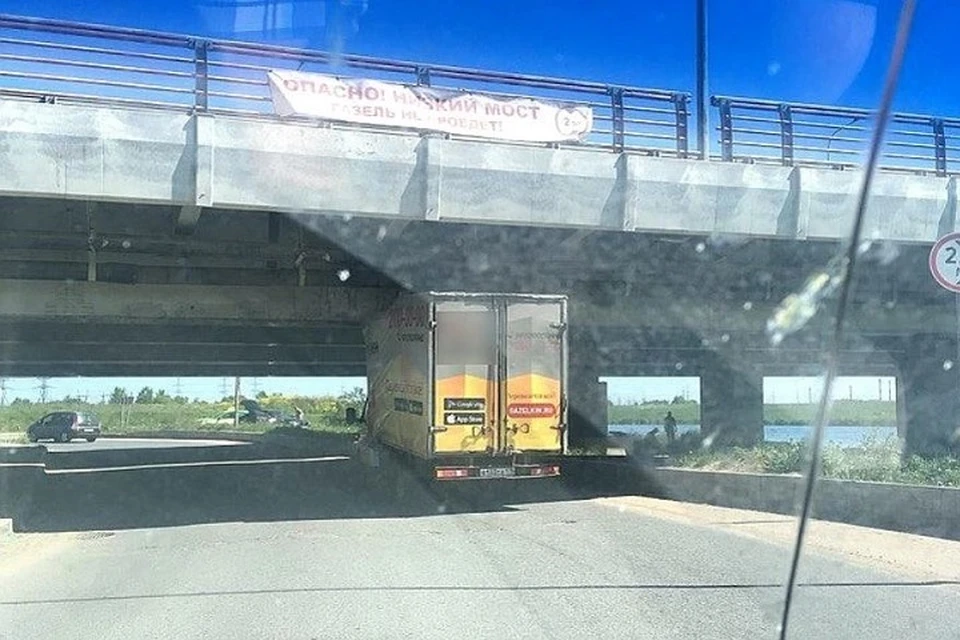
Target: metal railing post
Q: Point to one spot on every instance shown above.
(423, 76)
(786, 135)
(939, 146)
(200, 73)
(680, 101)
(616, 105)
(726, 129)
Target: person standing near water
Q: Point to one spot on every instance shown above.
(670, 426)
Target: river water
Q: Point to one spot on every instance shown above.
(839, 435)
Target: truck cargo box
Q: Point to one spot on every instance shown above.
(475, 383)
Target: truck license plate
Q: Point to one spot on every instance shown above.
(497, 472)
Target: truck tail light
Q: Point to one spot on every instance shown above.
(451, 474)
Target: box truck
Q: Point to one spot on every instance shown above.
(469, 386)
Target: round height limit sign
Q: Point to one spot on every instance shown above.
(945, 261)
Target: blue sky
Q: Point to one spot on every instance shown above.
(820, 51)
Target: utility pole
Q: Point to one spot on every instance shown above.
(236, 401)
(703, 139)
(889, 390)
(880, 389)
(3, 391)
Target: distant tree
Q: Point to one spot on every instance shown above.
(262, 394)
(161, 397)
(181, 399)
(118, 395)
(678, 400)
(21, 401)
(145, 396)
(356, 396)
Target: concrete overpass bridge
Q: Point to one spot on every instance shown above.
(148, 236)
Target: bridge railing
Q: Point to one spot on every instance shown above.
(51, 60)
(753, 130)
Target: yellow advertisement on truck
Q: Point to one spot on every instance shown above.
(470, 386)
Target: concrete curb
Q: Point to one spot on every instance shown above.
(239, 436)
(932, 511)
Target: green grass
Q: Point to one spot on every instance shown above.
(324, 414)
(686, 413)
(842, 413)
(873, 462)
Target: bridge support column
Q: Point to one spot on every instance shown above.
(928, 397)
(731, 406)
(586, 402)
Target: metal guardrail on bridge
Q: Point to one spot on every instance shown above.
(70, 62)
(754, 130)
(53, 60)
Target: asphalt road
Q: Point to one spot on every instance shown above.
(309, 551)
(76, 446)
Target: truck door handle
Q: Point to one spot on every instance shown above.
(522, 428)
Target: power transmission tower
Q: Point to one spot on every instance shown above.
(255, 386)
(44, 386)
(223, 387)
(178, 389)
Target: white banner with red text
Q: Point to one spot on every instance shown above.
(297, 93)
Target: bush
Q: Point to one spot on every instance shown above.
(875, 461)
(769, 457)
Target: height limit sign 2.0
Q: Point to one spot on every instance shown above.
(945, 261)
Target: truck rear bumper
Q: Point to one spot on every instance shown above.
(505, 472)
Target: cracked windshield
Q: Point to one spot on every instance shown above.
(380, 319)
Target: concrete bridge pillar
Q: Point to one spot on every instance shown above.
(731, 405)
(928, 396)
(586, 399)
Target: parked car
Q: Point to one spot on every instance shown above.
(274, 416)
(64, 426)
(226, 419)
(252, 413)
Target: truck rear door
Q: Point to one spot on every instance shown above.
(465, 388)
(533, 376)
